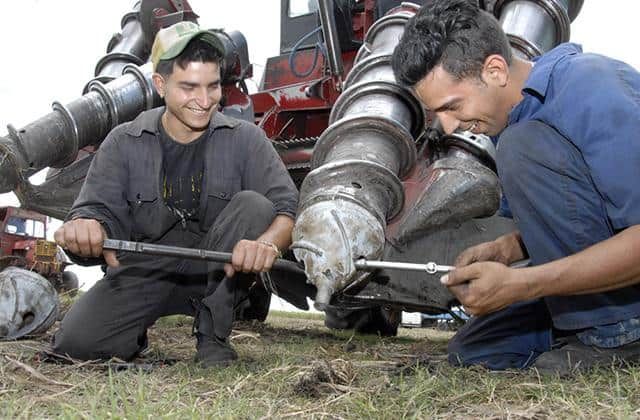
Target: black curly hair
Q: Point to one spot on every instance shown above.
(453, 33)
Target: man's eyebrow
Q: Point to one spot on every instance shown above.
(191, 84)
(447, 105)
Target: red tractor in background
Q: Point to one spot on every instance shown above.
(23, 244)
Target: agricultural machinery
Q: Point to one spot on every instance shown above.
(377, 178)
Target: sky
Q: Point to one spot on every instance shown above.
(49, 48)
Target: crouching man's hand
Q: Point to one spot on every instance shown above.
(84, 238)
(506, 249)
(486, 287)
(251, 257)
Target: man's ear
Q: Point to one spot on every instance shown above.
(159, 83)
(495, 70)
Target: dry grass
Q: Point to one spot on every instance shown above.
(296, 368)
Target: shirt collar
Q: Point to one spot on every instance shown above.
(538, 81)
(148, 121)
(539, 78)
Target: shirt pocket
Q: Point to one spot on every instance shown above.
(143, 203)
(217, 198)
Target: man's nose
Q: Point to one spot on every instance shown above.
(203, 98)
(449, 123)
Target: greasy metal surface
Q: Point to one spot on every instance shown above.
(416, 291)
(373, 68)
(386, 100)
(55, 196)
(328, 236)
(363, 137)
(478, 145)
(365, 183)
(459, 189)
(28, 303)
(384, 34)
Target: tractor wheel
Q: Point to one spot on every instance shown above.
(70, 282)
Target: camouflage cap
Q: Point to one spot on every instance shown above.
(171, 41)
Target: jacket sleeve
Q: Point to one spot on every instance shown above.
(103, 194)
(264, 172)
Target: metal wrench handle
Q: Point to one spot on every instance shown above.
(189, 253)
(430, 267)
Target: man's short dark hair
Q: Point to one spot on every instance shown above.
(453, 33)
(196, 51)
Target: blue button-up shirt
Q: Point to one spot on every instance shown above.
(605, 127)
(594, 102)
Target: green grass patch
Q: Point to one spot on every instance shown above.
(296, 315)
(294, 367)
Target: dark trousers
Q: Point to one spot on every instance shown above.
(559, 212)
(112, 318)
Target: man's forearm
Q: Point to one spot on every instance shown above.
(608, 265)
(279, 232)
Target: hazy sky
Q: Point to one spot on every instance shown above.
(49, 48)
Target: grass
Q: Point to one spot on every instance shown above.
(294, 367)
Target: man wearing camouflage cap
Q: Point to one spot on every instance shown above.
(185, 175)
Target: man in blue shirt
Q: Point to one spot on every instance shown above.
(569, 159)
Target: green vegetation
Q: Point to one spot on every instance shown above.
(294, 367)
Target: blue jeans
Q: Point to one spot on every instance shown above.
(559, 212)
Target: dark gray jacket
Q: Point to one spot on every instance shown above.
(122, 189)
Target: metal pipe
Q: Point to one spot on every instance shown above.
(330, 34)
(536, 26)
(54, 139)
(127, 47)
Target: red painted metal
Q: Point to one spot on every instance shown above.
(290, 107)
(20, 249)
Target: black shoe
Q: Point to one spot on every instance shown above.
(576, 357)
(214, 352)
(210, 350)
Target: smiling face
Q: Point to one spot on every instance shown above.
(191, 96)
(480, 105)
